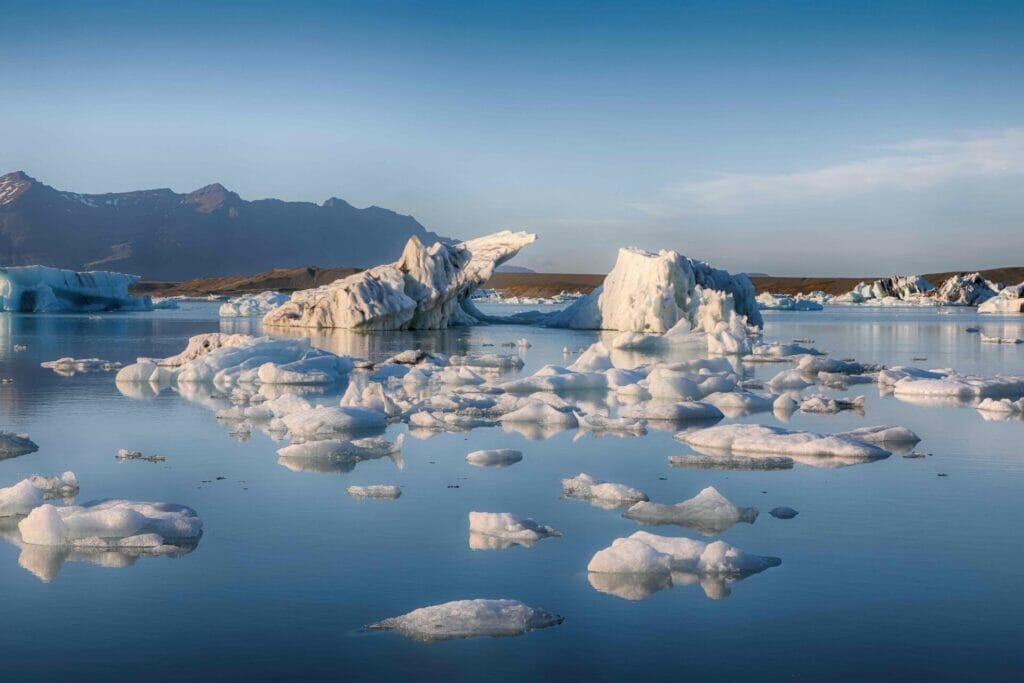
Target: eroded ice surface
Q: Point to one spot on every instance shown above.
(807, 447)
(111, 524)
(251, 305)
(28, 494)
(469, 619)
(339, 455)
(494, 457)
(709, 512)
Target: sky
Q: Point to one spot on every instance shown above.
(791, 138)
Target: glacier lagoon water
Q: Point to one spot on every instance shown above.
(889, 571)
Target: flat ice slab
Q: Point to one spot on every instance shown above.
(772, 441)
(385, 491)
(496, 457)
(111, 524)
(603, 494)
(497, 530)
(469, 619)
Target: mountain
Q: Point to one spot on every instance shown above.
(164, 235)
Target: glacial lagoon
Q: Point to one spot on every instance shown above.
(903, 567)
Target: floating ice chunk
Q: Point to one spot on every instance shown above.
(672, 385)
(28, 494)
(828, 404)
(387, 491)
(326, 420)
(615, 425)
(203, 344)
(70, 366)
(460, 376)
(731, 462)
(538, 412)
(777, 351)
(791, 379)
(444, 422)
(372, 397)
(123, 455)
(496, 457)
(427, 288)
(671, 412)
(41, 289)
(339, 455)
(1009, 300)
(12, 445)
(1001, 406)
(498, 530)
(881, 434)
(595, 359)
(709, 512)
(781, 302)
(250, 305)
(962, 387)
(676, 560)
(785, 405)
(602, 494)
(740, 402)
(469, 619)
(888, 377)
(1000, 340)
(762, 439)
(783, 513)
(812, 365)
(523, 343)
(111, 524)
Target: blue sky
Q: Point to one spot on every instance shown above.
(788, 137)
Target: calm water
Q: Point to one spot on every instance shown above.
(889, 571)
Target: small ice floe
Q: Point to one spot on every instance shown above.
(612, 425)
(601, 494)
(636, 566)
(709, 512)
(339, 455)
(985, 339)
(671, 412)
(1001, 407)
(469, 619)
(566, 351)
(165, 303)
(806, 447)
(740, 402)
(539, 412)
(71, 366)
(112, 524)
(28, 494)
(385, 491)
(881, 434)
(495, 457)
(460, 376)
(250, 305)
(425, 421)
(785, 405)
(777, 352)
(731, 462)
(326, 420)
(783, 513)
(959, 387)
(499, 530)
(12, 445)
(124, 455)
(18, 348)
(523, 343)
(829, 404)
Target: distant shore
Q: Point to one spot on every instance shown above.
(512, 284)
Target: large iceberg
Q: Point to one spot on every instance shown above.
(1009, 300)
(969, 289)
(41, 289)
(427, 288)
(112, 524)
(652, 293)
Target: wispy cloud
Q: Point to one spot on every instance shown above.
(911, 166)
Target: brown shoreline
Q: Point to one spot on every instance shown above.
(511, 284)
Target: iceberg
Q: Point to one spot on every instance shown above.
(339, 455)
(755, 439)
(14, 445)
(1009, 300)
(41, 289)
(111, 524)
(601, 494)
(499, 530)
(709, 512)
(427, 288)
(251, 305)
(767, 301)
(897, 287)
(648, 293)
(469, 619)
(968, 289)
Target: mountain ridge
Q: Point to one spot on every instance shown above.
(212, 231)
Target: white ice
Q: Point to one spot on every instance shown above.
(496, 457)
(761, 439)
(385, 491)
(602, 494)
(251, 305)
(111, 524)
(469, 619)
(497, 530)
(28, 494)
(709, 512)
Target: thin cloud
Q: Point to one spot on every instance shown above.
(911, 166)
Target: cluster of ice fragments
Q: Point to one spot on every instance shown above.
(815, 301)
(965, 289)
(252, 305)
(1009, 300)
(499, 530)
(40, 289)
